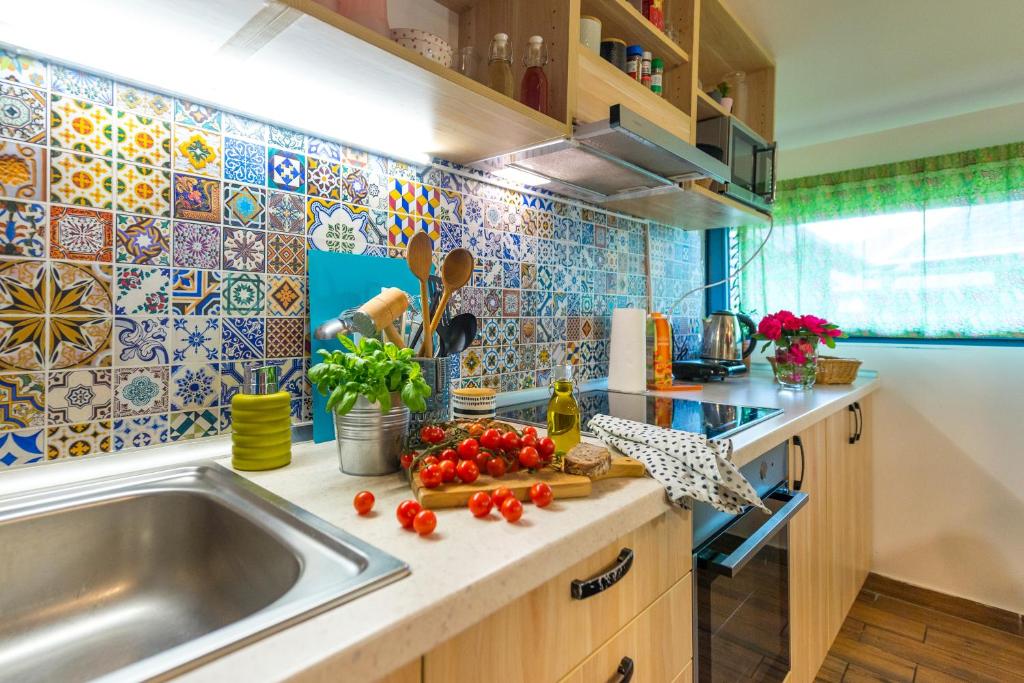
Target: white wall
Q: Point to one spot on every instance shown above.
(949, 468)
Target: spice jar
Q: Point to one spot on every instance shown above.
(645, 69)
(634, 61)
(658, 77)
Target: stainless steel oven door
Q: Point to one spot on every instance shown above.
(741, 597)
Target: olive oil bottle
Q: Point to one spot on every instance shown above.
(563, 413)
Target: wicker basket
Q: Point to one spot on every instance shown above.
(832, 370)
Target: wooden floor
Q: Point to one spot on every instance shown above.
(897, 632)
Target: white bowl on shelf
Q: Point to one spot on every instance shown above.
(431, 46)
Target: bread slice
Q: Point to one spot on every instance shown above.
(588, 460)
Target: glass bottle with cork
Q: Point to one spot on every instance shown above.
(533, 90)
(499, 65)
(563, 413)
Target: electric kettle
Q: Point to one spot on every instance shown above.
(724, 339)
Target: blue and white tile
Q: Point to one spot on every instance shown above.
(141, 341)
(24, 447)
(140, 432)
(323, 149)
(288, 139)
(242, 338)
(245, 161)
(196, 340)
(242, 127)
(195, 386)
(82, 85)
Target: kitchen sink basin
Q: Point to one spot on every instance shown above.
(143, 576)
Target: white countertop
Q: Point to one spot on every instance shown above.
(468, 568)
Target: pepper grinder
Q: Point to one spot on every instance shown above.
(261, 421)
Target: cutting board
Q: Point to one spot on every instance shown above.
(563, 485)
(338, 282)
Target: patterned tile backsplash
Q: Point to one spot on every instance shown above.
(151, 247)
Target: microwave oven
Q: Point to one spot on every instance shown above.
(750, 158)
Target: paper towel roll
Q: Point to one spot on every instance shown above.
(627, 359)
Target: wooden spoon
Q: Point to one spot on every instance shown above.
(418, 254)
(456, 269)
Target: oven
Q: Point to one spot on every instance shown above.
(750, 158)
(741, 584)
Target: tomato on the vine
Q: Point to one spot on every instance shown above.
(529, 440)
(468, 448)
(496, 467)
(406, 511)
(430, 476)
(501, 494)
(432, 434)
(363, 502)
(509, 441)
(530, 431)
(529, 458)
(447, 470)
(541, 494)
(481, 459)
(480, 504)
(449, 454)
(429, 460)
(476, 429)
(491, 438)
(407, 459)
(546, 446)
(424, 522)
(467, 471)
(512, 509)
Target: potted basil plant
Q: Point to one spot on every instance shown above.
(370, 386)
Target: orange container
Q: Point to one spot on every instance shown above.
(659, 352)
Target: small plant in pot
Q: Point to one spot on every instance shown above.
(370, 389)
(723, 89)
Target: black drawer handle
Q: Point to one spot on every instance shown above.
(798, 483)
(856, 423)
(624, 674)
(581, 589)
(860, 421)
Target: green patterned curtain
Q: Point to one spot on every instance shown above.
(931, 248)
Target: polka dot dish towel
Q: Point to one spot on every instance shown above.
(688, 465)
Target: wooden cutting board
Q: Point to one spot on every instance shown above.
(563, 485)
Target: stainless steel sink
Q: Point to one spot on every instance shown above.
(143, 576)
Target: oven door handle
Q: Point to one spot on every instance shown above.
(731, 564)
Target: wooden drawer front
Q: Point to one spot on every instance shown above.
(544, 634)
(659, 642)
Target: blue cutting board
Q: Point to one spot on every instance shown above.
(338, 282)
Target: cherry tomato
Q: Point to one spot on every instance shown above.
(424, 522)
(406, 511)
(496, 467)
(546, 446)
(467, 471)
(530, 431)
(476, 429)
(447, 470)
(449, 454)
(529, 458)
(363, 502)
(429, 460)
(512, 509)
(407, 459)
(468, 448)
(529, 440)
(431, 434)
(509, 441)
(541, 494)
(480, 504)
(501, 494)
(514, 466)
(430, 476)
(491, 438)
(482, 458)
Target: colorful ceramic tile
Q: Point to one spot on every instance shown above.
(196, 245)
(143, 140)
(131, 100)
(142, 290)
(22, 447)
(197, 199)
(22, 343)
(286, 212)
(197, 151)
(286, 170)
(239, 126)
(78, 396)
(140, 432)
(22, 113)
(197, 115)
(196, 340)
(143, 190)
(82, 180)
(23, 171)
(195, 292)
(244, 205)
(80, 289)
(194, 387)
(245, 250)
(22, 401)
(81, 84)
(293, 376)
(337, 227)
(242, 338)
(403, 196)
(472, 363)
(140, 391)
(325, 149)
(78, 342)
(145, 241)
(141, 341)
(286, 296)
(22, 228)
(22, 69)
(288, 139)
(78, 440)
(286, 254)
(194, 424)
(81, 234)
(231, 377)
(242, 294)
(285, 337)
(82, 126)
(324, 179)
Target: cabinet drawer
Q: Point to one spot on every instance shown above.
(659, 643)
(544, 634)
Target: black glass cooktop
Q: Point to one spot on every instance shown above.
(714, 420)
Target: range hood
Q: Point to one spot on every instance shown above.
(625, 156)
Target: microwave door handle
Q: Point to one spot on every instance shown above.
(771, 149)
(733, 563)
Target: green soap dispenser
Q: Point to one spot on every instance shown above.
(261, 421)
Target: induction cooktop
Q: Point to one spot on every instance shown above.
(714, 420)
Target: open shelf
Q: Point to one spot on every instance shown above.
(707, 108)
(619, 19)
(726, 45)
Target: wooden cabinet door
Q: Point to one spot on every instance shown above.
(810, 556)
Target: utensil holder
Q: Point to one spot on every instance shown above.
(370, 443)
(437, 374)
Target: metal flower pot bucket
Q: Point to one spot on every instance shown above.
(371, 443)
(437, 374)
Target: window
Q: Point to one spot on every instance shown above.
(931, 249)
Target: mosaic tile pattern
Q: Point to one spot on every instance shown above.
(152, 247)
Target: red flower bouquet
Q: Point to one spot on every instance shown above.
(796, 338)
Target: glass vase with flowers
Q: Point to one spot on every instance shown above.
(796, 339)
